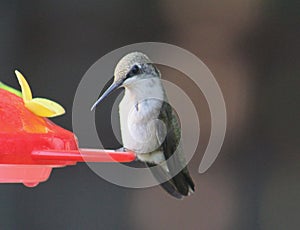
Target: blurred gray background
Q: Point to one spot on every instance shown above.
(252, 48)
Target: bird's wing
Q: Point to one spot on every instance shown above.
(171, 146)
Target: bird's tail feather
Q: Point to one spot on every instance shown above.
(162, 177)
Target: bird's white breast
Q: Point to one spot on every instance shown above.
(139, 111)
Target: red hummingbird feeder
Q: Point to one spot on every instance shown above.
(31, 145)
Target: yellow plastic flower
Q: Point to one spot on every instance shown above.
(40, 106)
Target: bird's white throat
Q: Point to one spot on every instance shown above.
(144, 88)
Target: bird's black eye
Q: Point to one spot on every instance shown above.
(133, 71)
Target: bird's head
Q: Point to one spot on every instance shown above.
(129, 70)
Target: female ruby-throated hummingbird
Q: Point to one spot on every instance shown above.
(149, 126)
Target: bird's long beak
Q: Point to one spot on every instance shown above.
(110, 89)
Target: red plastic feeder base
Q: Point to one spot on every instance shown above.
(29, 175)
(30, 146)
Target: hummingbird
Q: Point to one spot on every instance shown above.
(149, 126)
